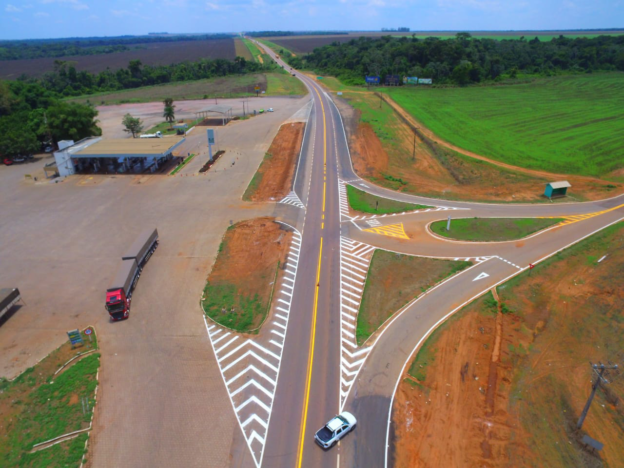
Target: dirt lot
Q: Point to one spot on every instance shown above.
(240, 285)
(513, 381)
(274, 177)
(157, 53)
(428, 166)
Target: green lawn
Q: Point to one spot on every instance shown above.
(256, 52)
(284, 84)
(491, 229)
(367, 203)
(569, 124)
(392, 281)
(38, 406)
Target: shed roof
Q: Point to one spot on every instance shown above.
(135, 147)
(561, 184)
(219, 109)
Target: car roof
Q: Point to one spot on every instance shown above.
(335, 424)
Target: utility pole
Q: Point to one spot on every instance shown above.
(599, 369)
(414, 150)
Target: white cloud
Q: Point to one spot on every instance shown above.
(42, 14)
(211, 6)
(12, 9)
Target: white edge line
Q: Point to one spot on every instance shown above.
(452, 312)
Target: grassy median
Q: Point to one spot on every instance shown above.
(367, 203)
(492, 229)
(395, 279)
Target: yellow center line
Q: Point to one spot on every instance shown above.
(310, 361)
(306, 400)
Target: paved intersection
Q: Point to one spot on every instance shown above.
(321, 369)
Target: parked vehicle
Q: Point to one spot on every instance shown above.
(119, 294)
(270, 109)
(8, 298)
(7, 161)
(261, 111)
(338, 427)
(19, 158)
(49, 149)
(152, 135)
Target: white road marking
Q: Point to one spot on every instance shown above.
(354, 262)
(481, 276)
(293, 199)
(250, 370)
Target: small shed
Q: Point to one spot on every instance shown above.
(557, 189)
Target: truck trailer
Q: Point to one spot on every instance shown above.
(8, 298)
(119, 294)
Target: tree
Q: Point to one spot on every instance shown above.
(133, 125)
(168, 101)
(16, 137)
(169, 113)
(72, 121)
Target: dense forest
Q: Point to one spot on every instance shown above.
(65, 80)
(463, 59)
(42, 48)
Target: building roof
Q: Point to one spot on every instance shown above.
(561, 184)
(219, 109)
(134, 147)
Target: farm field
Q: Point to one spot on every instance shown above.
(306, 44)
(157, 53)
(275, 84)
(242, 50)
(517, 403)
(387, 152)
(566, 124)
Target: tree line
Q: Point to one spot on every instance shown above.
(463, 59)
(54, 48)
(65, 80)
(295, 33)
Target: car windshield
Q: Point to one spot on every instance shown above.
(343, 419)
(325, 434)
(112, 308)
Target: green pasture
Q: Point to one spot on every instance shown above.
(570, 124)
(492, 229)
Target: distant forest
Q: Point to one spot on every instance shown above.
(294, 33)
(463, 59)
(54, 48)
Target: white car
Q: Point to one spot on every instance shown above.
(329, 435)
(270, 109)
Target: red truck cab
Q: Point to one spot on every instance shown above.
(117, 304)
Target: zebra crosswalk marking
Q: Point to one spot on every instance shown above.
(293, 199)
(571, 219)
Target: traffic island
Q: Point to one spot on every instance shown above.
(394, 280)
(273, 179)
(240, 286)
(363, 202)
(46, 412)
(491, 229)
(511, 377)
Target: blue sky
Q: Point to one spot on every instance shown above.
(67, 18)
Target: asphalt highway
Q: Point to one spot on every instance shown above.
(308, 393)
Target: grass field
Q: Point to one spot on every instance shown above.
(568, 124)
(256, 53)
(38, 406)
(275, 83)
(392, 281)
(242, 50)
(367, 203)
(491, 229)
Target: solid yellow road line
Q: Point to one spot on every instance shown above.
(310, 362)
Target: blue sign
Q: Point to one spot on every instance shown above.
(425, 81)
(393, 80)
(211, 138)
(410, 80)
(75, 337)
(372, 80)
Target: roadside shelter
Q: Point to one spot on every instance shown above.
(557, 189)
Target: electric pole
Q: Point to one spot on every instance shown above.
(414, 150)
(599, 369)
